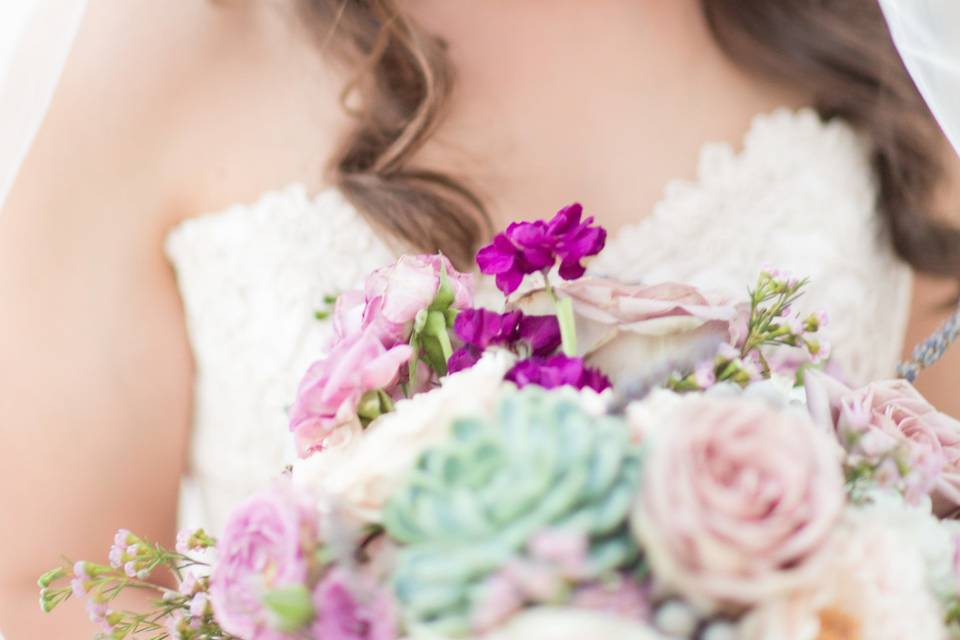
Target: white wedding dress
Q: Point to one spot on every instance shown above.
(799, 195)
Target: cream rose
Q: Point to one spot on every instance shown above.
(636, 330)
(737, 500)
(878, 586)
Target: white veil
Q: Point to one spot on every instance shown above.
(927, 33)
(35, 39)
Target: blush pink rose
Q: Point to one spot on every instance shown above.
(348, 315)
(397, 293)
(736, 502)
(625, 329)
(888, 414)
(267, 544)
(392, 296)
(331, 390)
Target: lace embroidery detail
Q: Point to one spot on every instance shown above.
(799, 195)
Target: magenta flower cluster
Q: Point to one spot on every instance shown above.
(531, 247)
(479, 329)
(557, 371)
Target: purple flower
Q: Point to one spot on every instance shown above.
(478, 329)
(268, 543)
(529, 247)
(542, 333)
(557, 371)
(350, 607)
(576, 240)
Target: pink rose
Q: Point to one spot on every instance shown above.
(331, 390)
(736, 501)
(352, 607)
(268, 543)
(397, 293)
(625, 330)
(873, 421)
(348, 315)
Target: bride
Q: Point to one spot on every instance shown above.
(151, 349)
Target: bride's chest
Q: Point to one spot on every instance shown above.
(799, 196)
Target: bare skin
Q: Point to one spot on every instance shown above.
(168, 110)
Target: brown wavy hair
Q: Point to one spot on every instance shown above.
(840, 51)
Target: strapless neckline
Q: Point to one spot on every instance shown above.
(714, 161)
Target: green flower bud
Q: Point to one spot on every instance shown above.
(48, 600)
(290, 608)
(47, 579)
(445, 293)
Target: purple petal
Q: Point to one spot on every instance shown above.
(529, 234)
(566, 219)
(541, 332)
(557, 371)
(463, 358)
(509, 281)
(572, 269)
(494, 259)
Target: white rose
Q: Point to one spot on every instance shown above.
(359, 476)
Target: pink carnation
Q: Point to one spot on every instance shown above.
(268, 542)
(331, 390)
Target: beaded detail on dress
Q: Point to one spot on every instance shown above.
(800, 195)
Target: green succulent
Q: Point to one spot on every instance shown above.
(473, 503)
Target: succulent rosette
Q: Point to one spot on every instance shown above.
(479, 502)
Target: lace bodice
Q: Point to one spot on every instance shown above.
(800, 195)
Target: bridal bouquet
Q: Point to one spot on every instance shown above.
(582, 458)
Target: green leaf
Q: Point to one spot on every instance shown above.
(445, 294)
(420, 321)
(290, 608)
(437, 328)
(414, 362)
(433, 355)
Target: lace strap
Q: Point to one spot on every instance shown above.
(932, 349)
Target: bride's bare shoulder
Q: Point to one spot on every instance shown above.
(226, 97)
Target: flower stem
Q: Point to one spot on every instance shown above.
(565, 318)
